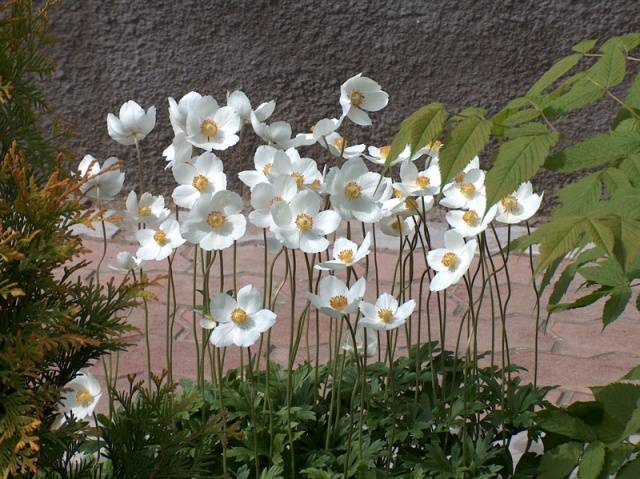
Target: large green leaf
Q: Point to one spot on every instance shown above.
(592, 461)
(619, 400)
(562, 285)
(462, 144)
(558, 421)
(595, 151)
(630, 470)
(616, 304)
(608, 273)
(419, 129)
(558, 69)
(579, 197)
(585, 46)
(517, 161)
(631, 167)
(632, 102)
(560, 461)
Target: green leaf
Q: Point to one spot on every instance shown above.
(585, 46)
(558, 69)
(561, 286)
(592, 461)
(632, 101)
(517, 161)
(558, 238)
(631, 470)
(633, 375)
(631, 167)
(558, 421)
(595, 151)
(462, 144)
(608, 273)
(619, 400)
(579, 197)
(600, 233)
(560, 461)
(615, 179)
(616, 304)
(419, 129)
(581, 302)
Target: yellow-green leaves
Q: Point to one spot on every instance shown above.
(466, 140)
(558, 69)
(418, 130)
(518, 160)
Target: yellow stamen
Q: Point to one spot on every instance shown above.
(277, 199)
(411, 204)
(209, 128)
(460, 177)
(470, 217)
(315, 185)
(144, 211)
(215, 219)
(397, 225)
(356, 98)
(340, 143)
(266, 169)
(200, 183)
(509, 202)
(160, 237)
(353, 190)
(385, 314)
(299, 177)
(304, 222)
(450, 259)
(338, 302)
(346, 256)
(239, 316)
(423, 181)
(468, 189)
(384, 151)
(434, 145)
(397, 193)
(84, 397)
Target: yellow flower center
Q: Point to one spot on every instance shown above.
(353, 190)
(460, 177)
(340, 143)
(397, 225)
(239, 316)
(200, 183)
(385, 314)
(144, 211)
(509, 202)
(423, 181)
(434, 145)
(84, 397)
(411, 204)
(346, 256)
(215, 219)
(468, 189)
(299, 177)
(384, 151)
(315, 185)
(397, 193)
(209, 128)
(277, 199)
(470, 217)
(356, 98)
(266, 169)
(160, 237)
(450, 259)
(338, 302)
(304, 222)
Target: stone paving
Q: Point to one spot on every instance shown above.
(574, 351)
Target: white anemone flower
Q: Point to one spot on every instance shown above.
(385, 314)
(403, 205)
(418, 183)
(335, 299)
(467, 191)
(519, 206)
(356, 192)
(239, 322)
(452, 261)
(300, 224)
(157, 244)
(346, 253)
(337, 146)
(81, 396)
(125, 263)
(359, 95)
(471, 223)
(278, 134)
(132, 123)
(101, 186)
(240, 103)
(303, 170)
(325, 127)
(210, 127)
(265, 195)
(263, 161)
(379, 155)
(215, 221)
(397, 226)
(364, 338)
(204, 177)
(178, 152)
(264, 110)
(149, 209)
(178, 111)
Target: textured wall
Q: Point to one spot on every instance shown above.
(462, 53)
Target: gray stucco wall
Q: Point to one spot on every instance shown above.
(299, 52)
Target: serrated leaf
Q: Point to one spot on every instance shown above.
(558, 421)
(619, 400)
(558, 69)
(632, 101)
(585, 46)
(562, 285)
(581, 302)
(464, 142)
(517, 161)
(633, 375)
(631, 167)
(631, 470)
(600, 233)
(615, 179)
(579, 197)
(558, 238)
(595, 151)
(607, 273)
(419, 129)
(560, 461)
(616, 304)
(592, 461)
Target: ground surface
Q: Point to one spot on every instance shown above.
(574, 352)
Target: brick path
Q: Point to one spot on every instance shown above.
(574, 352)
